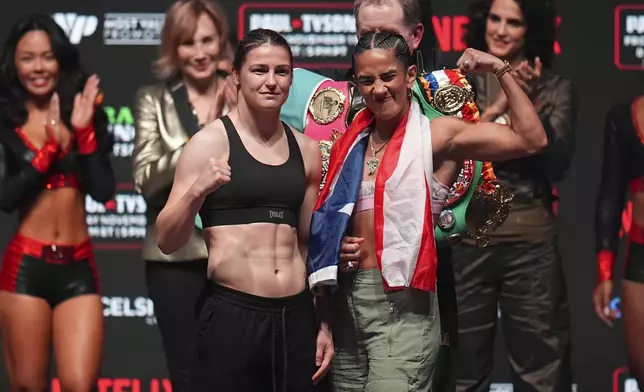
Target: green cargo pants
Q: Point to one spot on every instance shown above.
(384, 342)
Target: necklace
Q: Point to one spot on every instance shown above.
(372, 163)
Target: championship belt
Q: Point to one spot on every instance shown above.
(476, 203)
(321, 108)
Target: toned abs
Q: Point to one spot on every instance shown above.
(262, 259)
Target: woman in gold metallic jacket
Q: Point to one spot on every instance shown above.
(194, 67)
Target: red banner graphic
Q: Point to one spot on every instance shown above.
(124, 385)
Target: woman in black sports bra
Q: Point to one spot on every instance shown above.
(54, 150)
(254, 183)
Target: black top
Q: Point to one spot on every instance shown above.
(531, 179)
(257, 192)
(21, 183)
(623, 163)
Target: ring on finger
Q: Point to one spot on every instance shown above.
(53, 122)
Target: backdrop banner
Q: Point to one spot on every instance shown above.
(601, 48)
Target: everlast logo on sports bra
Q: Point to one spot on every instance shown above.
(276, 214)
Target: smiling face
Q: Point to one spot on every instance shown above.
(505, 30)
(36, 64)
(199, 55)
(265, 76)
(384, 82)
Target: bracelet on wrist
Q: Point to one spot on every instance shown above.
(503, 70)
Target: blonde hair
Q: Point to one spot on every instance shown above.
(180, 24)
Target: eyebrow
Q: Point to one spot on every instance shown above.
(30, 51)
(267, 66)
(513, 20)
(391, 72)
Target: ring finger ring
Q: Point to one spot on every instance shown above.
(466, 62)
(349, 264)
(53, 122)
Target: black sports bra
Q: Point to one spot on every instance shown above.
(257, 192)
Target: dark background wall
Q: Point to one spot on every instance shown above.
(118, 38)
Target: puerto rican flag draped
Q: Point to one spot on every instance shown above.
(405, 246)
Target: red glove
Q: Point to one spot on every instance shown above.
(86, 139)
(605, 264)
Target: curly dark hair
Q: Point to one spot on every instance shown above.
(71, 78)
(540, 19)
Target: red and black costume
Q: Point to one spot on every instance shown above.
(623, 167)
(54, 272)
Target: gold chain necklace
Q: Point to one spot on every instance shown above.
(372, 163)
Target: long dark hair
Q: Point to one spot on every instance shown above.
(540, 19)
(71, 77)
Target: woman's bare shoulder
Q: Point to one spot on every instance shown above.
(308, 145)
(211, 141)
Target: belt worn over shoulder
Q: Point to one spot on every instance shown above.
(477, 203)
(321, 108)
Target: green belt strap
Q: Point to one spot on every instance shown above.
(445, 237)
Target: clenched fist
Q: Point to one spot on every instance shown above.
(212, 177)
(475, 61)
